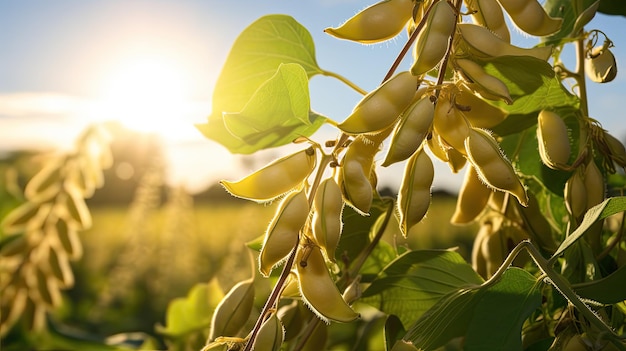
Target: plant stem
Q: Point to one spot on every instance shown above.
(344, 80)
(273, 298)
(580, 76)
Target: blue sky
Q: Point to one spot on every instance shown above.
(59, 60)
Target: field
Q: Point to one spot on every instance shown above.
(137, 259)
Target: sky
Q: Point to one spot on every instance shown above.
(153, 63)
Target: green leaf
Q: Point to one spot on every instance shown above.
(254, 58)
(613, 7)
(607, 208)
(277, 113)
(447, 319)
(501, 311)
(380, 257)
(416, 280)
(608, 290)
(521, 74)
(490, 317)
(550, 94)
(192, 313)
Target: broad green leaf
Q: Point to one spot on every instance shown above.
(415, 281)
(521, 74)
(193, 312)
(613, 7)
(490, 317)
(501, 311)
(447, 319)
(607, 208)
(608, 290)
(380, 257)
(550, 94)
(277, 113)
(254, 58)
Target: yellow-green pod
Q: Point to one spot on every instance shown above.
(276, 178)
(293, 317)
(456, 160)
(436, 146)
(47, 182)
(473, 198)
(410, 132)
(480, 114)
(489, 14)
(318, 289)
(600, 65)
(381, 21)
(73, 208)
(328, 207)
(19, 218)
(485, 84)
(479, 260)
(355, 174)
(270, 336)
(530, 17)
(282, 234)
(382, 106)
(233, 311)
(553, 140)
(414, 194)
(483, 43)
(432, 42)
(595, 185)
(495, 249)
(67, 237)
(492, 166)
(59, 265)
(451, 125)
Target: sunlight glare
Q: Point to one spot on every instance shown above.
(148, 95)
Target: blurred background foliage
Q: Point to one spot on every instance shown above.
(151, 243)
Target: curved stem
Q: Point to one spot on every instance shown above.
(344, 80)
(580, 75)
(273, 298)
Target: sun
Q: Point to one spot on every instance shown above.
(148, 94)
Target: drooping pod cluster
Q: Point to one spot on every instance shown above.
(41, 236)
(310, 233)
